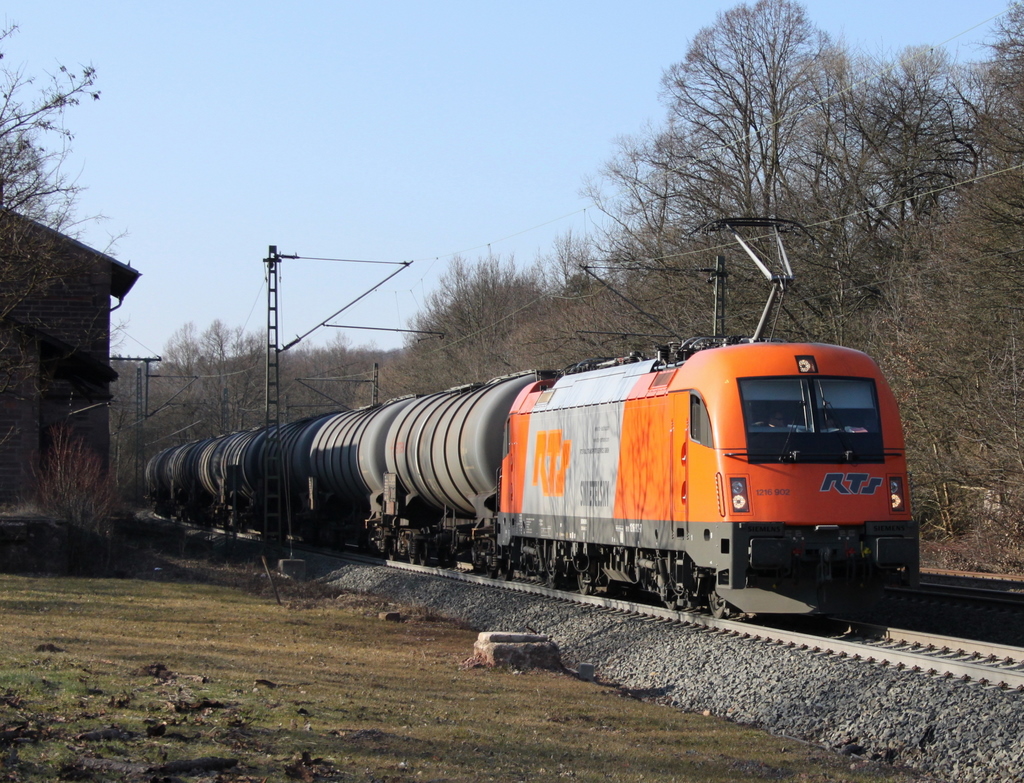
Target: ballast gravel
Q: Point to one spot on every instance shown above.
(947, 730)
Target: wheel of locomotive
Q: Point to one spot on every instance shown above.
(719, 607)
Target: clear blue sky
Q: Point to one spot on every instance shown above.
(378, 130)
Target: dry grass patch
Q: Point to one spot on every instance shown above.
(124, 679)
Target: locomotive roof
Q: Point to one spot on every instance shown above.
(619, 382)
(610, 384)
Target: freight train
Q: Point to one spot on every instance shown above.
(730, 475)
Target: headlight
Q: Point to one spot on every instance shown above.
(897, 500)
(738, 491)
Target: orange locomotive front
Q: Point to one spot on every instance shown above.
(759, 477)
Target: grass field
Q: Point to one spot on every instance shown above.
(138, 680)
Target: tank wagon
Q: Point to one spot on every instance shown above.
(745, 476)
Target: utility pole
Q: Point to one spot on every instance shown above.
(718, 275)
(141, 412)
(273, 505)
(272, 478)
(140, 417)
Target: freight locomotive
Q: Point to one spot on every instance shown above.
(741, 476)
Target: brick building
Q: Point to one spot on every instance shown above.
(55, 305)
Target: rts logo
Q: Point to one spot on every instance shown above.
(851, 483)
(550, 462)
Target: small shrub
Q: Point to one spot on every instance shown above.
(73, 487)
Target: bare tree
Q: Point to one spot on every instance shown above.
(960, 371)
(739, 99)
(32, 180)
(35, 193)
(741, 111)
(481, 307)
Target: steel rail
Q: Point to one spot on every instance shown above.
(975, 595)
(978, 576)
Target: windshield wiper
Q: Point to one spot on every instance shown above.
(786, 455)
(849, 455)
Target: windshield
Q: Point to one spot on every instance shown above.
(811, 419)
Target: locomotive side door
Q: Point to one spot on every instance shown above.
(699, 462)
(680, 457)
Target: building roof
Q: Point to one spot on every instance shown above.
(122, 275)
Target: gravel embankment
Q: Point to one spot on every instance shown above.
(947, 730)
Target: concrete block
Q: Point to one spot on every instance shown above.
(517, 650)
(292, 568)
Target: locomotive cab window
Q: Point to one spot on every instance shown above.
(802, 419)
(700, 422)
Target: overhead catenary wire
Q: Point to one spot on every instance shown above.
(351, 260)
(627, 300)
(851, 215)
(404, 265)
(451, 343)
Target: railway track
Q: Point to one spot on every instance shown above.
(979, 596)
(985, 664)
(988, 591)
(977, 662)
(997, 581)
